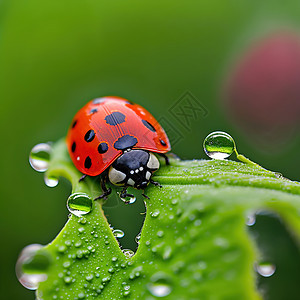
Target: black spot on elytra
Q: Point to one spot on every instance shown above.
(73, 148)
(74, 123)
(93, 111)
(98, 100)
(115, 118)
(89, 136)
(87, 162)
(163, 142)
(148, 125)
(124, 142)
(102, 148)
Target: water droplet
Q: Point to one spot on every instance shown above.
(81, 296)
(82, 220)
(128, 252)
(67, 264)
(51, 181)
(32, 265)
(61, 249)
(278, 175)
(118, 233)
(221, 242)
(218, 145)
(265, 269)
(67, 279)
(174, 201)
(39, 157)
(79, 204)
(160, 285)
(128, 199)
(81, 229)
(137, 238)
(89, 277)
(155, 213)
(197, 222)
(160, 233)
(167, 252)
(251, 219)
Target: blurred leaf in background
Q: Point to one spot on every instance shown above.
(57, 55)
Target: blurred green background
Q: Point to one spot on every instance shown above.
(57, 55)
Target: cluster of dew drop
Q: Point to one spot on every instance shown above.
(78, 203)
(33, 263)
(39, 160)
(220, 145)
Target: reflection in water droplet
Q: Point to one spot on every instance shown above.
(118, 233)
(128, 252)
(32, 265)
(265, 269)
(39, 157)
(137, 238)
(251, 219)
(160, 285)
(218, 145)
(128, 199)
(79, 204)
(51, 181)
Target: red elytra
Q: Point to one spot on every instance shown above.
(107, 126)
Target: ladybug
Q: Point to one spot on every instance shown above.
(116, 138)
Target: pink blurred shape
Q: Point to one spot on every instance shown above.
(262, 92)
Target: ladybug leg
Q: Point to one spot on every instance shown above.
(145, 196)
(106, 191)
(82, 177)
(155, 183)
(165, 157)
(124, 194)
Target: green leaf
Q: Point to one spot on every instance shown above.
(194, 243)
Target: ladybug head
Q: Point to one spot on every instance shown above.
(133, 168)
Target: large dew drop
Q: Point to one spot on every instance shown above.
(118, 233)
(160, 285)
(251, 219)
(79, 204)
(32, 265)
(265, 269)
(39, 157)
(50, 181)
(218, 145)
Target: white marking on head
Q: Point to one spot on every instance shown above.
(153, 163)
(137, 170)
(130, 182)
(131, 172)
(141, 168)
(148, 175)
(115, 176)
